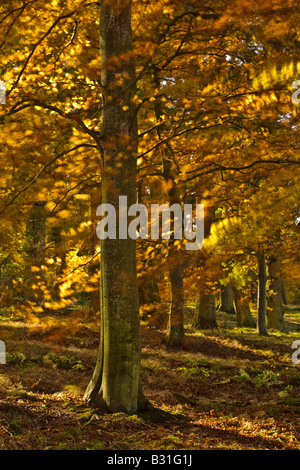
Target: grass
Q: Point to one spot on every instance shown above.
(223, 389)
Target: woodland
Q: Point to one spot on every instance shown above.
(141, 344)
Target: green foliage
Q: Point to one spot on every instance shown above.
(55, 360)
(267, 378)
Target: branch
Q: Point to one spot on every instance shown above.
(178, 134)
(219, 167)
(40, 172)
(67, 15)
(63, 198)
(81, 265)
(29, 102)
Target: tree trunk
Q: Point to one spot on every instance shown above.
(227, 299)
(36, 250)
(60, 258)
(275, 299)
(36, 235)
(242, 309)
(262, 294)
(205, 312)
(175, 330)
(115, 384)
(205, 308)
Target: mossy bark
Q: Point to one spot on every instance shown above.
(115, 384)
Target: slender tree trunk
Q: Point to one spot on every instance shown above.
(36, 235)
(60, 257)
(148, 291)
(205, 305)
(205, 312)
(175, 330)
(262, 294)
(115, 384)
(36, 250)
(227, 299)
(275, 299)
(147, 286)
(242, 309)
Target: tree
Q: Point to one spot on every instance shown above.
(205, 305)
(115, 384)
(227, 299)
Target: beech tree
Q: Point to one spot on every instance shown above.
(115, 384)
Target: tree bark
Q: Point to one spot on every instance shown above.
(175, 330)
(115, 384)
(275, 298)
(227, 299)
(205, 312)
(242, 309)
(262, 294)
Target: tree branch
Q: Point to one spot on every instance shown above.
(41, 171)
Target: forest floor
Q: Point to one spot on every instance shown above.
(225, 389)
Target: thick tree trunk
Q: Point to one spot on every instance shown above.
(115, 384)
(242, 309)
(205, 312)
(262, 294)
(227, 299)
(275, 298)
